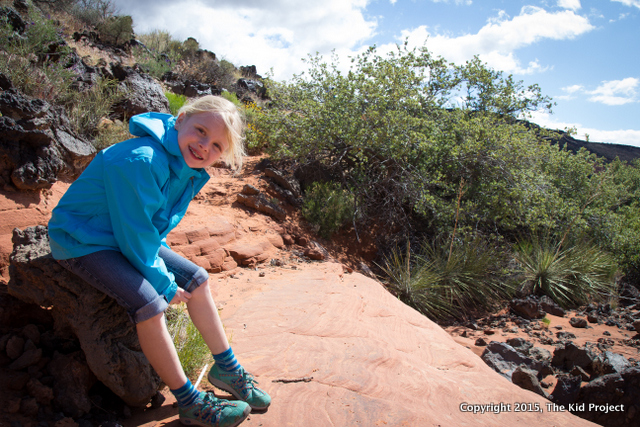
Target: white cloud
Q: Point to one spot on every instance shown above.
(573, 88)
(629, 3)
(467, 2)
(270, 34)
(620, 136)
(393, 1)
(616, 92)
(570, 4)
(497, 41)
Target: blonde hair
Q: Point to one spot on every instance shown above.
(233, 121)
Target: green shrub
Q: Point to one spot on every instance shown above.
(448, 280)
(151, 62)
(92, 12)
(328, 207)
(92, 104)
(175, 101)
(571, 276)
(192, 350)
(116, 30)
(112, 134)
(31, 65)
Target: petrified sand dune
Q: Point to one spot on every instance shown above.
(337, 349)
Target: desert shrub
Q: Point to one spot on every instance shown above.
(386, 127)
(92, 104)
(447, 280)
(255, 139)
(204, 68)
(571, 275)
(232, 97)
(403, 129)
(192, 350)
(175, 101)
(32, 63)
(116, 30)
(152, 63)
(157, 40)
(111, 133)
(328, 207)
(92, 12)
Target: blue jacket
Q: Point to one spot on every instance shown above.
(128, 199)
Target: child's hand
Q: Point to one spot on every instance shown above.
(180, 296)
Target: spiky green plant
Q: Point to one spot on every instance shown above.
(448, 281)
(570, 276)
(192, 350)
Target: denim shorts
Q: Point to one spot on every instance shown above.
(110, 272)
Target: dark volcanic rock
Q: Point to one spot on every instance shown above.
(106, 334)
(610, 363)
(37, 145)
(578, 322)
(550, 306)
(144, 94)
(566, 390)
(73, 380)
(504, 359)
(527, 379)
(612, 400)
(569, 355)
(529, 308)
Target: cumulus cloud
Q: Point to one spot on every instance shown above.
(466, 2)
(497, 41)
(570, 4)
(616, 92)
(270, 34)
(629, 3)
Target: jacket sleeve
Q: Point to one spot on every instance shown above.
(134, 195)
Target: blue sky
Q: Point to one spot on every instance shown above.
(585, 54)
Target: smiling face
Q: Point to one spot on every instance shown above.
(202, 138)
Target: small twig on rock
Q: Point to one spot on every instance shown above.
(292, 380)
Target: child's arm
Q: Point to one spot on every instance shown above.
(134, 195)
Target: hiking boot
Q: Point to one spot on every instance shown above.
(241, 385)
(209, 411)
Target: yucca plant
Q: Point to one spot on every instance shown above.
(570, 276)
(447, 280)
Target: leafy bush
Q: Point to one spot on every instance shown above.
(111, 133)
(116, 30)
(175, 101)
(92, 12)
(41, 66)
(192, 350)
(385, 128)
(328, 207)
(92, 104)
(445, 280)
(32, 65)
(570, 276)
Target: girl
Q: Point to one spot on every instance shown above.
(110, 229)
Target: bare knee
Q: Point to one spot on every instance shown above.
(202, 290)
(152, 322)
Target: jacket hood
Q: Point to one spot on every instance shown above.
(161, 127)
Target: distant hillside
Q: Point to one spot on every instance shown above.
(626, 153)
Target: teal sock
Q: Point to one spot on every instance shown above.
(227, 361)
(186, 395)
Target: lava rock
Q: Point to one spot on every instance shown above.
(106, 334)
